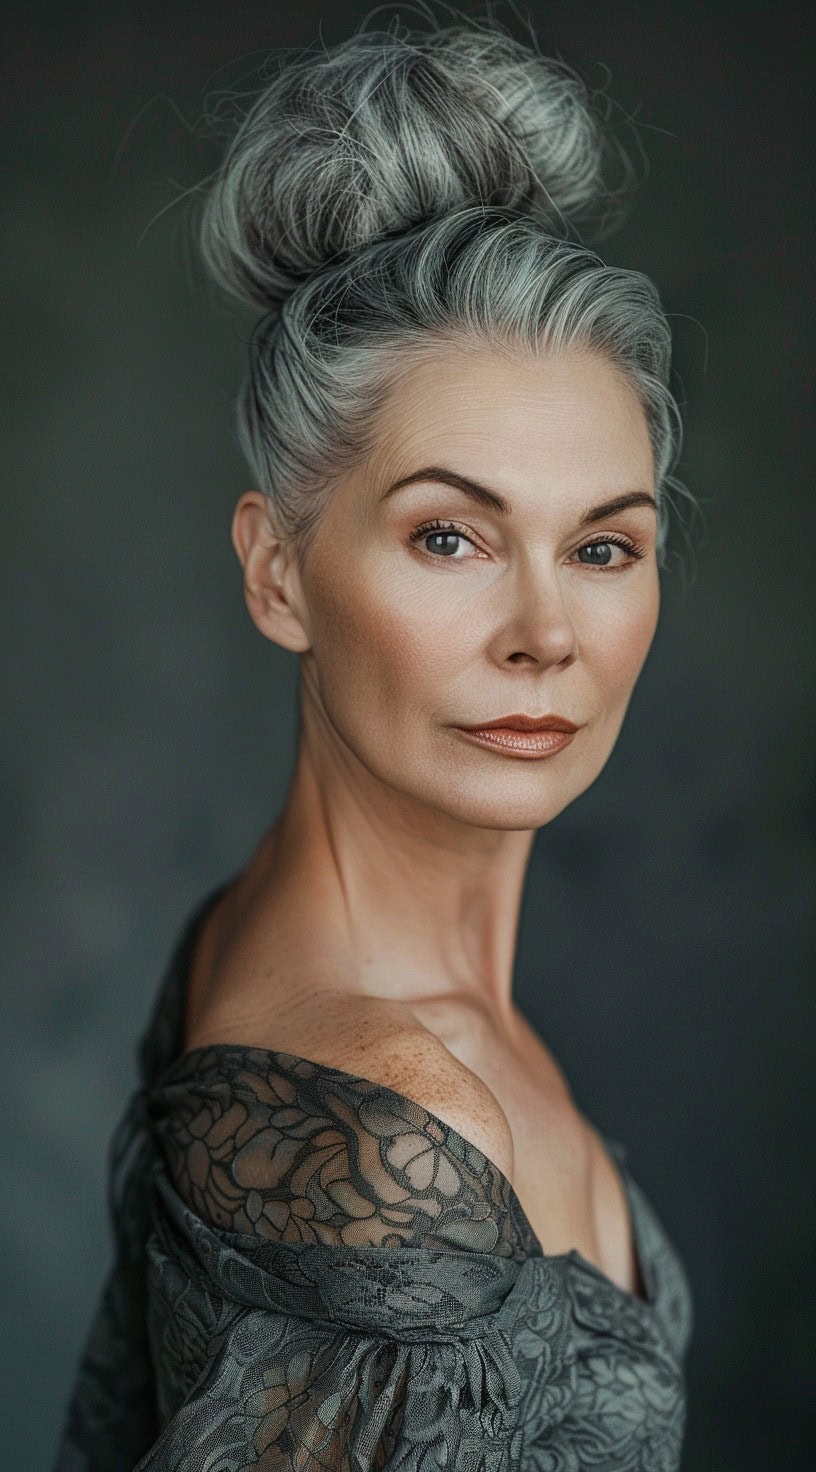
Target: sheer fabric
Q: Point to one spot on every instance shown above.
(312, 1271)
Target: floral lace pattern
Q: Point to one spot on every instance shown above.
(295, 1151)
(313, 1272)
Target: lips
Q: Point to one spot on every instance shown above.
(525, 723)
(527, 737)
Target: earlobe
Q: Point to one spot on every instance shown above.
(267, 574)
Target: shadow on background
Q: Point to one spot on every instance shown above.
(149, 730)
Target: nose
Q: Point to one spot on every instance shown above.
(539, 629)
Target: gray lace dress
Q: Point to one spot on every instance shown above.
(313, 1272)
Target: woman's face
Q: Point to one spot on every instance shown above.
(414, 631)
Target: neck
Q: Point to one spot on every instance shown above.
(411, 905)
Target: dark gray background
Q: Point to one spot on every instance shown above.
(148, 728)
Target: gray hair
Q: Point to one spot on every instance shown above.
(400, 192)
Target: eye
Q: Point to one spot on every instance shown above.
(448, 536)
(443, 533)
(635, 553)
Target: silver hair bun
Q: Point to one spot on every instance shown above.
(386, 130)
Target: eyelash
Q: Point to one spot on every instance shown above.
(451, 526)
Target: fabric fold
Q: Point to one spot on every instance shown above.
(263, 1387)
(399, 1293)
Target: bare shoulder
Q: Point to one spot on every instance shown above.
(381, 1040)
(230, 998)
(404, 1056)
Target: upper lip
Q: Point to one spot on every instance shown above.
(526, 723)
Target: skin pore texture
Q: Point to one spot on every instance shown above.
(374, 927)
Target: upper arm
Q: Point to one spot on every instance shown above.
(347, 1148)
(326, 1357)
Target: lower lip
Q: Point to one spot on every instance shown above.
(520, 743)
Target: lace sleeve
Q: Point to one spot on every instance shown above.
(282, 1393)
(313, 1272)
(312, 1303)
(276, 1146)
(301, 1356)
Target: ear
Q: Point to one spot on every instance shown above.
(272, 586)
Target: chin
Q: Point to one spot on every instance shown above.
(512, 805)
(482, 789)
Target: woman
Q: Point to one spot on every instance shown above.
(360, 1220)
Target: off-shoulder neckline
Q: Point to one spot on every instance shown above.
(190, 1060)
(166, 1070)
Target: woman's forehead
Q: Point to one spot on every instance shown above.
(513, 424)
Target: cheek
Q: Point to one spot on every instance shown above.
(384, 644)
(617, 639)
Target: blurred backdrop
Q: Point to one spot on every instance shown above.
(666, 948)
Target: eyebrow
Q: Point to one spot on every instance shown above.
(494, 502)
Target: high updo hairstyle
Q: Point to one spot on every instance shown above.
(403, 191)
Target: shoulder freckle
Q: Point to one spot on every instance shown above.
(414, 1063)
